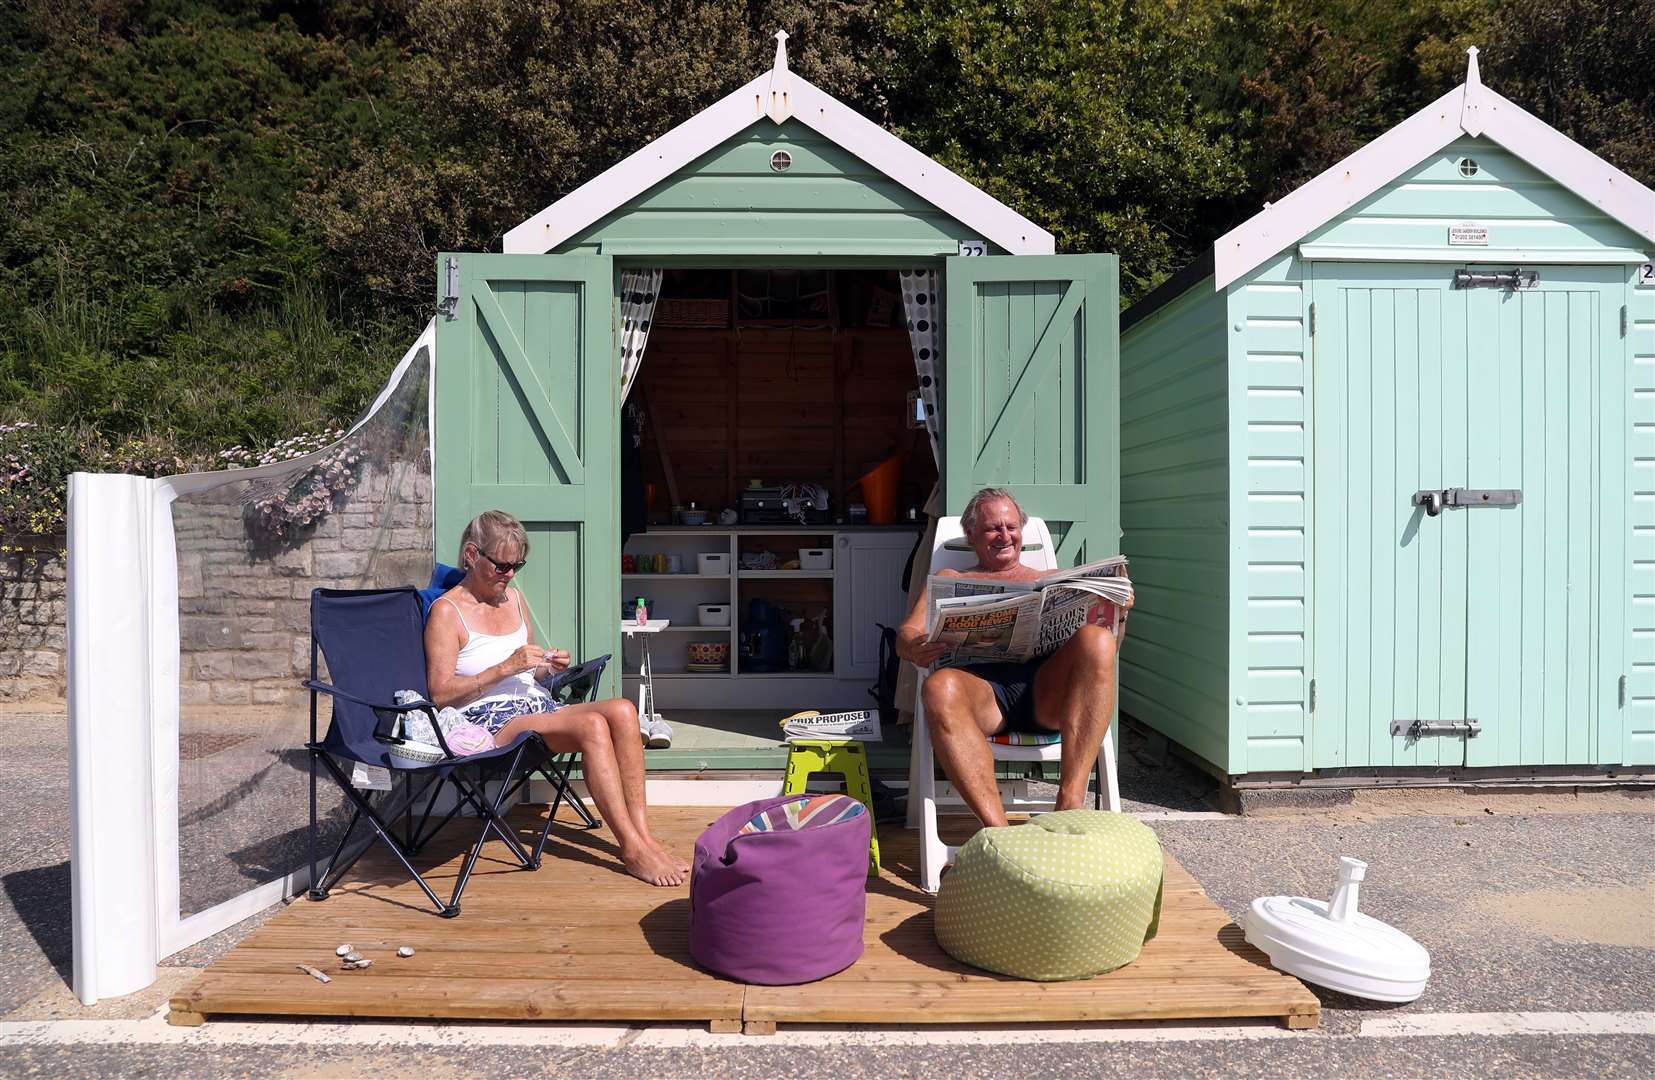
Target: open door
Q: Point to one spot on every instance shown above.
(1031, 392)
(525, 420)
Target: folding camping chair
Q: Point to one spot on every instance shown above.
(951, 551)
(373, 641)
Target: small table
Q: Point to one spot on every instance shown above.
(646, 673)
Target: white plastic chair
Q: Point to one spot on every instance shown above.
(951, 552)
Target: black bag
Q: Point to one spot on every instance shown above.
(883, 691)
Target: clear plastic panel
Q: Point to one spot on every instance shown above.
(355, 514)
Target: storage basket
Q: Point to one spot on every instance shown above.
(713, 614)
(815, 558)
(702, 313)
(713, 564)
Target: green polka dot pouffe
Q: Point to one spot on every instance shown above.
(1067, 896)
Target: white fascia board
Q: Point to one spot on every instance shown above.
(1471, 255)
(1569, 163)
(816, 109)
(1318, 201)
(943, 188)
(638, 172)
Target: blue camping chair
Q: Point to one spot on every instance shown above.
(373, 641)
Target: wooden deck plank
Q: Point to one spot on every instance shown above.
(580, 940)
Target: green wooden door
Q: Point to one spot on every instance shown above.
(1031, 392)
(1487, 614)
(1389, 594)
(1547, 580)
(526, 407)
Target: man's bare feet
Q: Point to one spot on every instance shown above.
(653, 866)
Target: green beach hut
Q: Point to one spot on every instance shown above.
(1388, 468)
(808, 366)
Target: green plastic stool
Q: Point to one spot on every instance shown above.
(848, 759)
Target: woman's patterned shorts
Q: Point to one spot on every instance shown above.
(496, 713)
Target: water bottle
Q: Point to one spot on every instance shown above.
(643, 611)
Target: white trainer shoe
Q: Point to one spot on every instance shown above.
(657, 733)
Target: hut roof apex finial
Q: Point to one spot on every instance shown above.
(780, 107)
(1472, 76)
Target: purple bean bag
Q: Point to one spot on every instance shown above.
(778, 890)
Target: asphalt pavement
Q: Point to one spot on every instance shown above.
(1538, 910)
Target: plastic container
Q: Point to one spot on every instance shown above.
(815, 558)
(713, 564)
(712, 614)
(1332, 944)
(879, 489)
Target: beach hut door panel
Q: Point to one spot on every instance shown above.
(1452, 628)
(526, 404)
(1031, 391)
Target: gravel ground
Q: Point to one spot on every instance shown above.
(1528, 903)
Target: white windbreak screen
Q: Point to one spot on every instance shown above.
(251, 545)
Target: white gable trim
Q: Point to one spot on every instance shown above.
(1318, 201)
(778, 94)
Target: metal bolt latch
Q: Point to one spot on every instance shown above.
(1435, 502)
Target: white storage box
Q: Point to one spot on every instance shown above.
(714, 564)
(712, 614)
(815, 558)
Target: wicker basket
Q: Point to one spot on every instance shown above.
(701, 313)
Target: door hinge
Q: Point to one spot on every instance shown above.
(1312, 695)
(1623, 320)
(1415, 729)
(1313, 318)
(1621, 692)
(448, 306)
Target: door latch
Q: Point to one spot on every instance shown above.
(1436, 501)
(1419, 728)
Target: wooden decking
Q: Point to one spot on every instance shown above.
(580, 940)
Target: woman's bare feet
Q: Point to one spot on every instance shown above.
(654, 866)
(682, 864)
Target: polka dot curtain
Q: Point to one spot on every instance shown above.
(639, 289)
(919, 303)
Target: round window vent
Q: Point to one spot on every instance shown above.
(1468, 166)
(781, 161)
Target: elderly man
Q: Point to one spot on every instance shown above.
(1072, 691)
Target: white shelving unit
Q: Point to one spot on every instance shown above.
(862, 588)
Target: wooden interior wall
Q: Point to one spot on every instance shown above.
(821, 405)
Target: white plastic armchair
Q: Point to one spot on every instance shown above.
(950, 551)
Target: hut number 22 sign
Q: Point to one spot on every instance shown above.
(1646, 276)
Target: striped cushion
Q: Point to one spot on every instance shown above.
(1026, 738)
(804, 812)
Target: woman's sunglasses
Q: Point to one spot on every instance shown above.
(504, 567)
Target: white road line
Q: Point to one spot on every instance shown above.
(1417, 1025)
(156, 1032)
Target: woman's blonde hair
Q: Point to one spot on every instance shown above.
(489, 530)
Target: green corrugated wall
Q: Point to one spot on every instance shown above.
(1174, 514)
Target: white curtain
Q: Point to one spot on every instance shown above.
(639, 289)
(920, 305)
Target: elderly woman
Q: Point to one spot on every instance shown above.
(1072, 691)
(481, 658)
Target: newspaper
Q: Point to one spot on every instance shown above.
(985, 620)
(860, 725)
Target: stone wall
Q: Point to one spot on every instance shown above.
(32, 644)
(244, 608)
